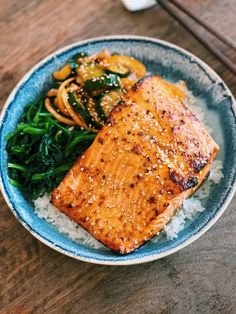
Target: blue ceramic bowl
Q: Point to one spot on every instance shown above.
(174, 64)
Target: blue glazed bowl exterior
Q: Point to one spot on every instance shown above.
(174, 64)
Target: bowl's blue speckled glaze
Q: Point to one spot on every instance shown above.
(174, 64)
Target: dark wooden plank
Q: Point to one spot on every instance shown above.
(36, 279)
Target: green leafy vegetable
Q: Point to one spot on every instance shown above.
(41, 150)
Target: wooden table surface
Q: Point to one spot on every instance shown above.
(201, 278)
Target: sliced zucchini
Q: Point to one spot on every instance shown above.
(91, 108)
(88, 71)
(108, 101)
(106, 81)
(79, 108)
(76, 60)
(80, 55)
(118, 69)
(73, 64)
(100, 112)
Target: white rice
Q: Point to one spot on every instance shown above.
(63, 223)
(191, 206)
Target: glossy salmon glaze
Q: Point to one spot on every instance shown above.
(152, 154)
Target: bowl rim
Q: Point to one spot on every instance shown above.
(137, 260)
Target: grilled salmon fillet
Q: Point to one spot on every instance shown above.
(151, 155)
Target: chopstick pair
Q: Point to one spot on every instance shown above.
(168, 6)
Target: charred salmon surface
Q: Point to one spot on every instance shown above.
(150, 156)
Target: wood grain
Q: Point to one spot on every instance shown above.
(35, 279)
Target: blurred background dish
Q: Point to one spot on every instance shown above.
(134, 5)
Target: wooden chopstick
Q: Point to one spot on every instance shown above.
(208, 27)
(225, 60)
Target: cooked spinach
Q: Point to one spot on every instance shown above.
(41, 150)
